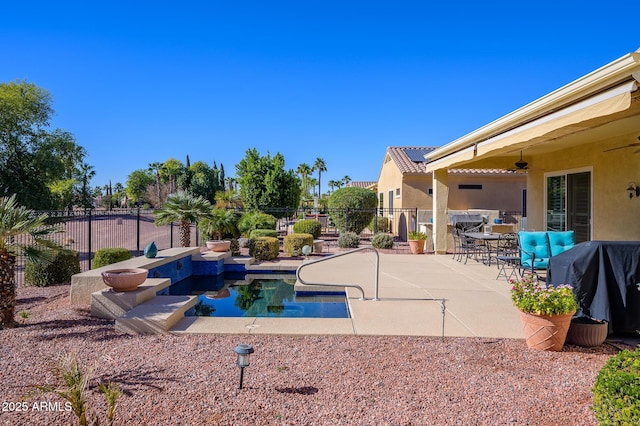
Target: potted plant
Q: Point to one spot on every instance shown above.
(219, 223)
(416, 241)
(545, 312)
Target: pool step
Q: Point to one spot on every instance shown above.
(111, 304)
(157, 315)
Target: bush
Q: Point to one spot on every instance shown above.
(263, 233)
(616, 392)
(256, 220)
(107, 256)
(348, 240)
(293, 243)
(308, 226)
(382, 241)
(65, 264)
(264, 248)
(380, 224)
(352, 208)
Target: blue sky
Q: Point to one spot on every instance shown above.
(143, 81)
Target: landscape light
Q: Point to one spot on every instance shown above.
(243, 351)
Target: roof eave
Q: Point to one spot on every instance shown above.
(618, 71)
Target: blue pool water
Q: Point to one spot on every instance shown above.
(260, 298)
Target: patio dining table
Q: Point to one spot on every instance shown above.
(486, 239)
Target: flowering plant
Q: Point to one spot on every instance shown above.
(533, 297)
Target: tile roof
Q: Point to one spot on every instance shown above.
(362, 184)
(482, 171)
(399, 156)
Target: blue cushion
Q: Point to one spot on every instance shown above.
(561, 241)
(534, 244)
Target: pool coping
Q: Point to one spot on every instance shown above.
(477, 305)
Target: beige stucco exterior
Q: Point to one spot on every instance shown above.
(499, 191)
(590, 125)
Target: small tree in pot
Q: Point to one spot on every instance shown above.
(219, 223)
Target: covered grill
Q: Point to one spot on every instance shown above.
(466, 221)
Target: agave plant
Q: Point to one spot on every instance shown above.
(186, 209)
(17, 221)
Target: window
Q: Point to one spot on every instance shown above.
(469, 186)
(568, 202)
(397, 192)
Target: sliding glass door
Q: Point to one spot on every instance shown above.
(568, 198)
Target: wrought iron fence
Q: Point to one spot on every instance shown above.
(87, 231)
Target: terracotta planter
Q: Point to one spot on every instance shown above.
(124, 279)
(587, 332)
(218, 245)
(417, 246)
(544, 332)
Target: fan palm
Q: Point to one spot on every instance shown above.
(186, 209)
(220, 222)
(18, 221)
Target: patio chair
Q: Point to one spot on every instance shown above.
(467, 247)
(537, 247)
(508, 256)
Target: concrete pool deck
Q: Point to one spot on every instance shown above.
(477, 305)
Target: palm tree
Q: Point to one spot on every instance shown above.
(320, 166)
(332, 184)
(346, 179)
(155, 168)
(304, 170)
(184, 208)
(220, 222)
(227, 199)
(17, 221)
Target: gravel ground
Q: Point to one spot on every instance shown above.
(292, 380)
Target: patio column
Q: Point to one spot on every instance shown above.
(440, 217)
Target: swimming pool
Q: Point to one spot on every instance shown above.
(273, 297)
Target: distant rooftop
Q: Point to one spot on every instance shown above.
(410, 159)
(363, 184)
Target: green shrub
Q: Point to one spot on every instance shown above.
(380, 224)
(382, 241)
(264, 248)
(65, 264)
(256, 220)
(308, 226)
(255, 233)
(107, 256)
(616, 392)
(293, 243)
(348, 240)
(352, 208)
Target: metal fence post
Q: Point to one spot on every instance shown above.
(171, 235)
(89, 237)
(138, 231)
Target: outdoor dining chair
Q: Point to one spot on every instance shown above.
(508, 256)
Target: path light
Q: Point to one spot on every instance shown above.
(306, 250)
(243, 352)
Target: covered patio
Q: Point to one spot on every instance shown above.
(579, 147)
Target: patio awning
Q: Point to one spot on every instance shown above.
(551, 126)
(606, 103)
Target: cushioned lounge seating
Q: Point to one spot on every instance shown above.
(537, 247)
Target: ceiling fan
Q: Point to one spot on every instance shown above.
(521, 165)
